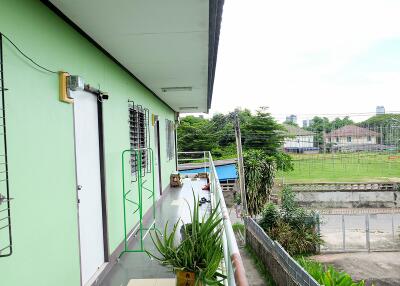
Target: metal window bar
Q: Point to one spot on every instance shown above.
(6, 247)
(139, 136)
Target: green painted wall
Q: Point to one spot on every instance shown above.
(41, 143)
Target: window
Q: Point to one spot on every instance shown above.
(138, 136)
(369, 138)
(170, 132)
(348, 138)
(337, 139)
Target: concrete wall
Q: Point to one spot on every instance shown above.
(278, 271)
(349, 199)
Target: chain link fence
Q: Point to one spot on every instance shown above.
(360, 232)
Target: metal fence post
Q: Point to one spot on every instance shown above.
(393, 232)
(318, 230)
(344, 233)
(367, 232)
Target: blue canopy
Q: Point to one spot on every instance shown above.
(225, 172)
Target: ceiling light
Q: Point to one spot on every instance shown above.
(188, 108)
(176, 88)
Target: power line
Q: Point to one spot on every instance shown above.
(26, 56)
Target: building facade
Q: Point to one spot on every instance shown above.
(140, 70)
(352, 135)
(298, 140)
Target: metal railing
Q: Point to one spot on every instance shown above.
(298, 274)
(232, 265)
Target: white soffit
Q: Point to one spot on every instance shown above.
(164, 43)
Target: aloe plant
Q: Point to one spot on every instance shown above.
(201, 249)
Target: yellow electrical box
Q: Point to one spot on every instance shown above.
(63, 77)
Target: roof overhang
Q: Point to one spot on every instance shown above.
(169, 46)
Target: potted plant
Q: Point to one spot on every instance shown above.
(197, 257)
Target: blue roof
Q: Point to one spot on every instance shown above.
(225, 172)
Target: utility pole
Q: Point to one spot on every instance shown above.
(240, 165)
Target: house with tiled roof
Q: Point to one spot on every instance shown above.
(352, 135)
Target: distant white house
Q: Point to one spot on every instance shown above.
(352, 137)
(298, 140)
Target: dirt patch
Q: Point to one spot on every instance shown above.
(378, 268)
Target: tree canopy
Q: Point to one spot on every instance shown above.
(259, 131)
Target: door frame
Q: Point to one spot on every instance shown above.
(100, 124)
(157, 142)
(103, 179)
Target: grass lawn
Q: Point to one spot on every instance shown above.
(343, 167)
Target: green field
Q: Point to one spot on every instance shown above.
(343, 167)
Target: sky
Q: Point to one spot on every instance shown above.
(309, 57)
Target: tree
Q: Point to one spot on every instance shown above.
(319, 125)
(194, 135)
(387, 125)
(382, 119)
(259, 173)
(288, 122)
(338, 122)
(262, 132)
(223, 126)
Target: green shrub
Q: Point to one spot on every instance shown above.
(270, 216)
(295, 241)
(327, 276)
(238, 227)
(293, 227)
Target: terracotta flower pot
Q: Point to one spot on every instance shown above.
(184, 278)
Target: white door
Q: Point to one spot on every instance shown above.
(88, 183)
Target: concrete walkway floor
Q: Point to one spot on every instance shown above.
(376, 268)
(253, 275)
(171, 207)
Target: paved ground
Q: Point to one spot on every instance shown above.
(380, 268)
(253, 276)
